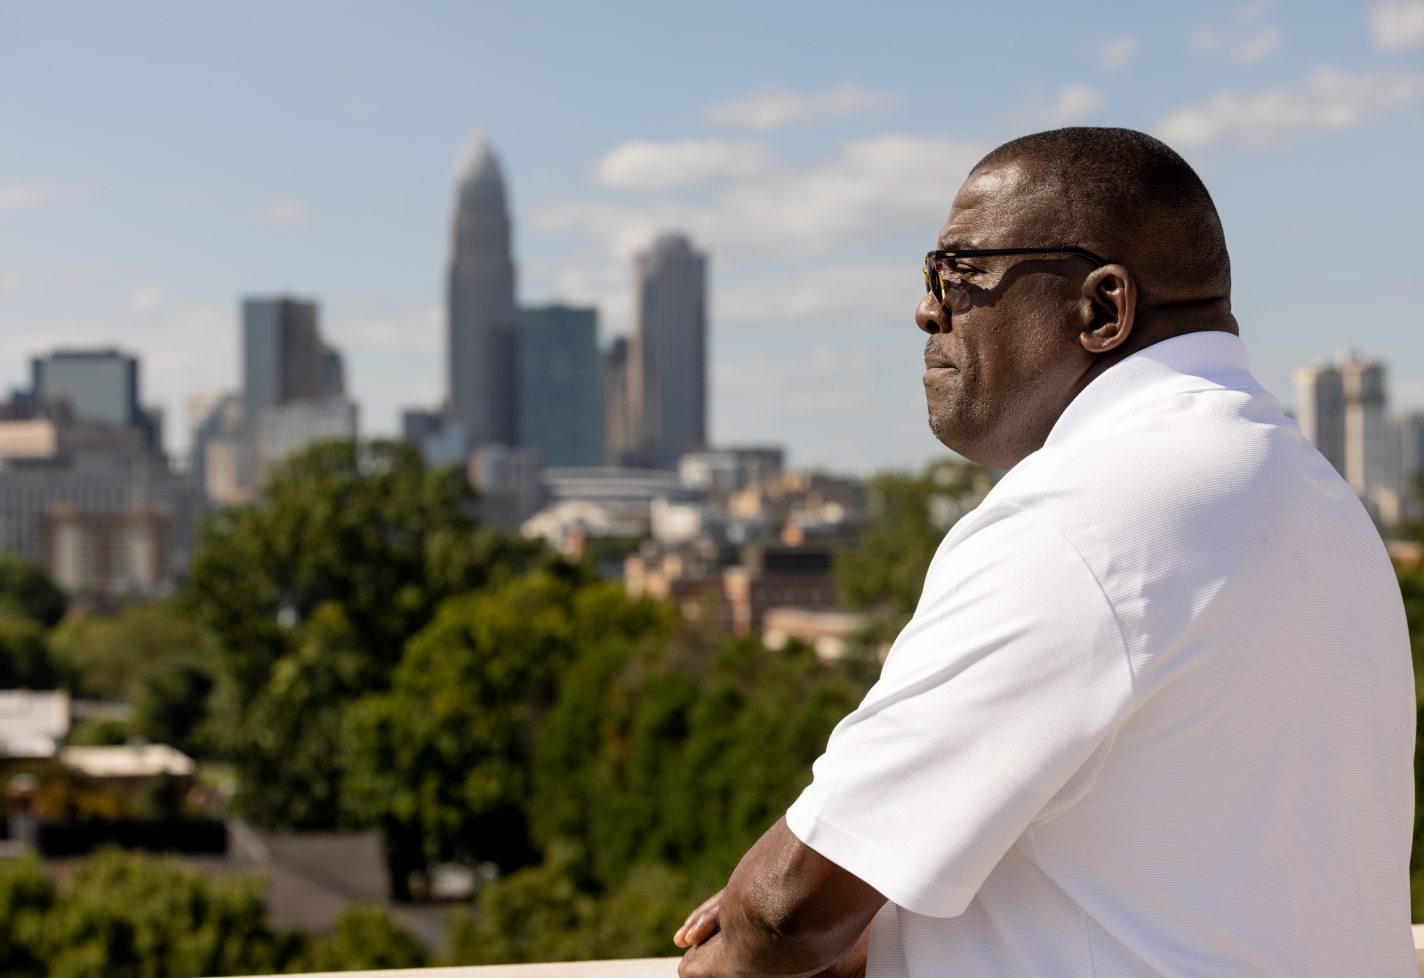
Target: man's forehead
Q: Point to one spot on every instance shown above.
(1000, 206)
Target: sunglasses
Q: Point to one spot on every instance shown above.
(936, 267)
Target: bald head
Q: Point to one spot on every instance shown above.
(1129, 198)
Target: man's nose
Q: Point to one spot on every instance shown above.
(931, 316)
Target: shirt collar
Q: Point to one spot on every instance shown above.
(1208, 360)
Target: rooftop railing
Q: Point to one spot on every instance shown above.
(636, 968)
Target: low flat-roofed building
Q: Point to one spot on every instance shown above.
(32, 724)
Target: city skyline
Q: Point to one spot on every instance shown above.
(814, 187)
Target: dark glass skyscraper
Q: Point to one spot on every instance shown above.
(668, 375)
(560, 389)
(481, 317)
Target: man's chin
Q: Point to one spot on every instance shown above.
(954, 439)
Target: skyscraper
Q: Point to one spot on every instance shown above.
(294, 389)
(1341, 408)
(1369, 449)
(560, 389)
(481, 318)
(620, 440)
(1320, 409)
(282, 354)
(100, 386)
(96, 387)
(668, 375)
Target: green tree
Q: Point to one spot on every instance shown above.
(153, 656)
(367, 938)
(1411, 588)
(662, 760)
(30, 605)
(683, 752)
(442, 757)
(27, 592)
(909, 516)
(547, 913)
(126, 915)
(312, 594)
(26, 895)
(25, 661)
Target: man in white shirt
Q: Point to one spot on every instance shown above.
(1154, 714)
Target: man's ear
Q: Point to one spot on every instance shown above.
(1109, 307)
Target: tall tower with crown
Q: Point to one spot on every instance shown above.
(481, 318)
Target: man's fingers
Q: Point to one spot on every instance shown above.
(696, 930)
(701, 923)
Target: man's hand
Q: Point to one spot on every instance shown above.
(787, 912)
(702, 923)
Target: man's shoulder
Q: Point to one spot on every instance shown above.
(1186, 485)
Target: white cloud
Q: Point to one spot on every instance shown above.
(854, 295)
(145, 298)
(1114, 52)
(870, 191)
(1073, 104)
(777, 108)
(645, 165)
(1399, 25)
(1242, 36)
(416, 330)
(29, 194)
(285, 211)
(1258, 47)
(1326, 99)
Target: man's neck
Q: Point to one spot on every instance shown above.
(1153, 324)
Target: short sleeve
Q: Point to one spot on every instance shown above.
(992, 704)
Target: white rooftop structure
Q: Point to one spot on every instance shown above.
(32, 724)
(128, 761)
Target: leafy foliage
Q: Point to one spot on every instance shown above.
(135, 916)
(26, 895)
(443, 756)
(366, 939)
(26, 592)
(153, 656)
(312, 596)
(682, 753)
(121, 914)
(1411, 588)
(909, 516)
(543, 913)
(24, 654)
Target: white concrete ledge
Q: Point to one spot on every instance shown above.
(636, 968)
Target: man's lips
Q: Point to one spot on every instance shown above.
(937, 363)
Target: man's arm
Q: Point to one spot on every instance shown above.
(787, 912)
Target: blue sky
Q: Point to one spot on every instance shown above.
(160, 160)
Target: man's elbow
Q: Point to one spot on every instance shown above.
(785, 940)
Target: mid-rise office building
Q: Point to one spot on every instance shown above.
(560, 386)
(293, 394)
(620, 438)
(1370, 452)
(215, 446)
(440, 438)
(1320, 410)
(85, 490)
(94, 387)
(668, 362)
(285, 431)
(1342, 409)
(282, 354)
(481, 321)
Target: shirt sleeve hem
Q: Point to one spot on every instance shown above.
(896, 882)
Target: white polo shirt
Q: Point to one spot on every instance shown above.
(1154, 714)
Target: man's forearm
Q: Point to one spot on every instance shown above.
(787, 912)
